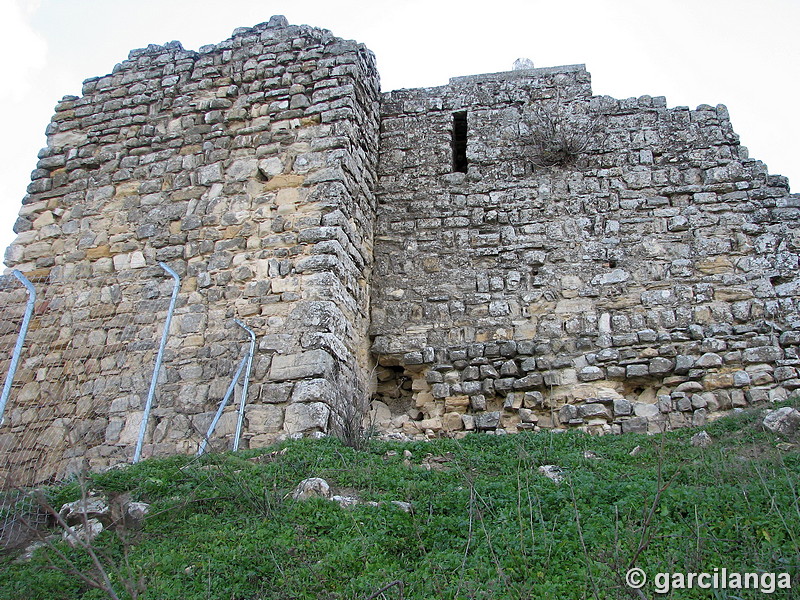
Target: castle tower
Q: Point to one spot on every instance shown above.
(248, 168)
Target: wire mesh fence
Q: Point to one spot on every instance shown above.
(83, 376)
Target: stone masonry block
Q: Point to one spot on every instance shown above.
(312, 363)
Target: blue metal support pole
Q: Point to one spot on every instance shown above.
(138, 452)
(222, 406)
(23, 330)
(245, 384)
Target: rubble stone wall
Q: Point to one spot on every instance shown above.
(247, 167)
(509, 251)
(644, 277)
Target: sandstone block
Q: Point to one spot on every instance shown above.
(312, 363)
(380, 415)
(275, 393)
(452, 422)
(306, 417)
(456, 404)
(312, 390)
(264, 418)
(718, 380)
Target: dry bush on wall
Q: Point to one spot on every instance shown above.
(558, 132)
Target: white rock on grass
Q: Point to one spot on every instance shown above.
(137, 510)
(91, 507)
(785, 421)
(404, 506)
(85, 533)
(552, 472)
(701, 439)
(313, 487)
(345, 501)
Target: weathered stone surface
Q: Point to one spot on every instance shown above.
(529, 382)
(91, 507)
(379, 415)
(640, 409)
(452, 422)
(552, 472)
(312, 390)
(302, 418)
(660, 366)
(635, 425)
(82, 533)
(347, 227)
(264, 418)
(622, 407)
(345, 501)
(477, 402)
(487, 420)
(755, 396)
(785, 421)
(276, 393)
(637, 371)
(137, 511)
(709, 359)
(567, 413)
(591, 374)
(699, 417)
(701, 439)
(313, 487)
(313, 363)
(456, 404)
(591, 411)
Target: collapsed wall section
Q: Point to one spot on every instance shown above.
(247, 167)
(615, 265)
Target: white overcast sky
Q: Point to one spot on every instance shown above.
(741, 53)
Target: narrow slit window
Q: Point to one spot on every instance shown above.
(460, 142)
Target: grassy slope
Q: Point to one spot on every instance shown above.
(487, 525)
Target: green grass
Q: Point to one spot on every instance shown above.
(487, 525)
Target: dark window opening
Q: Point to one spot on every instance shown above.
(460, 142)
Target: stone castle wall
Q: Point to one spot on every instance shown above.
(646, 280)
(249, 169)
(615, 265)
